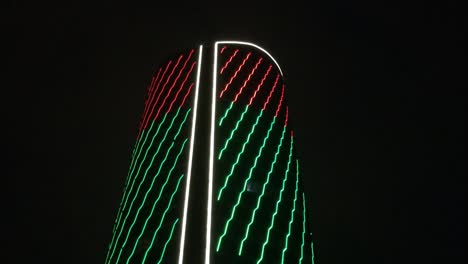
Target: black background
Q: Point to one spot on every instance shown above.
(375, 97)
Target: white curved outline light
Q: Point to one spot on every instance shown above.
(189, 167)
(253, 45)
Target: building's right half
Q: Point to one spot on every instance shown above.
(256, 202)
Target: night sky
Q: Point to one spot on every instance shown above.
(374, 96)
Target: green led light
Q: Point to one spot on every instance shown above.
(239, 155)
(292, 214)
(137, 147)
(312, 249)
(135, 156)
(265, 139)
(119, 211)
(168, 240)
(143, 137)
(277, 204)
(162, 219)
(180, 128)
(303, 227)
(148, 148)
(225, 114)
(125, 195)
(125, 198)
(130, 209)
(232, 132)
(146, 172)
(154, 204)
(259, 199)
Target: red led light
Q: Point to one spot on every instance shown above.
(260, 85)
(155, 80)
(153, 92)
(286, 119)
(181, 86)
(271, 92)
(174, 83)
(162, 91)
(229, 61)
(281, 102)
(235, 74)
(151, 96)
(185, 97)
(247, 80)
(222, 50)
(150, 89)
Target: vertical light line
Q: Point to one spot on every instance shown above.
(303, 227)
(210, 175)
(189, 166)
(312, 248)
(292, 214)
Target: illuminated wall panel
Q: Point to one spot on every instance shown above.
(214, 176)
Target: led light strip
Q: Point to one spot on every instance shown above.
(174, 83)
(144, 177)
(260, 151)
(239, 155)
(124, 194)
(283, 254)
(240, 90)
(234, 75)
(148, 115)
(277, 204)
(303, 227)
(229, 61)
(242, 115)
(153, 92)
(162, 220)
(129, 210)
(168, 177)
(259, 199)
(127, 194)
(253, 45)
(251, 98)
(168, 240)
(312, 248)
(147, 101)
(246, 142)
(189, 166)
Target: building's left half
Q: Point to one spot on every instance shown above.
(150, 222)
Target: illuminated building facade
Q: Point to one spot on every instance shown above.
(214, 177)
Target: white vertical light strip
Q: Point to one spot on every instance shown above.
(189, 167)
(210, 175)
(253, 45)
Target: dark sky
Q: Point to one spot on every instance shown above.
(374, 95)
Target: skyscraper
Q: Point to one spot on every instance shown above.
(214, 177)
